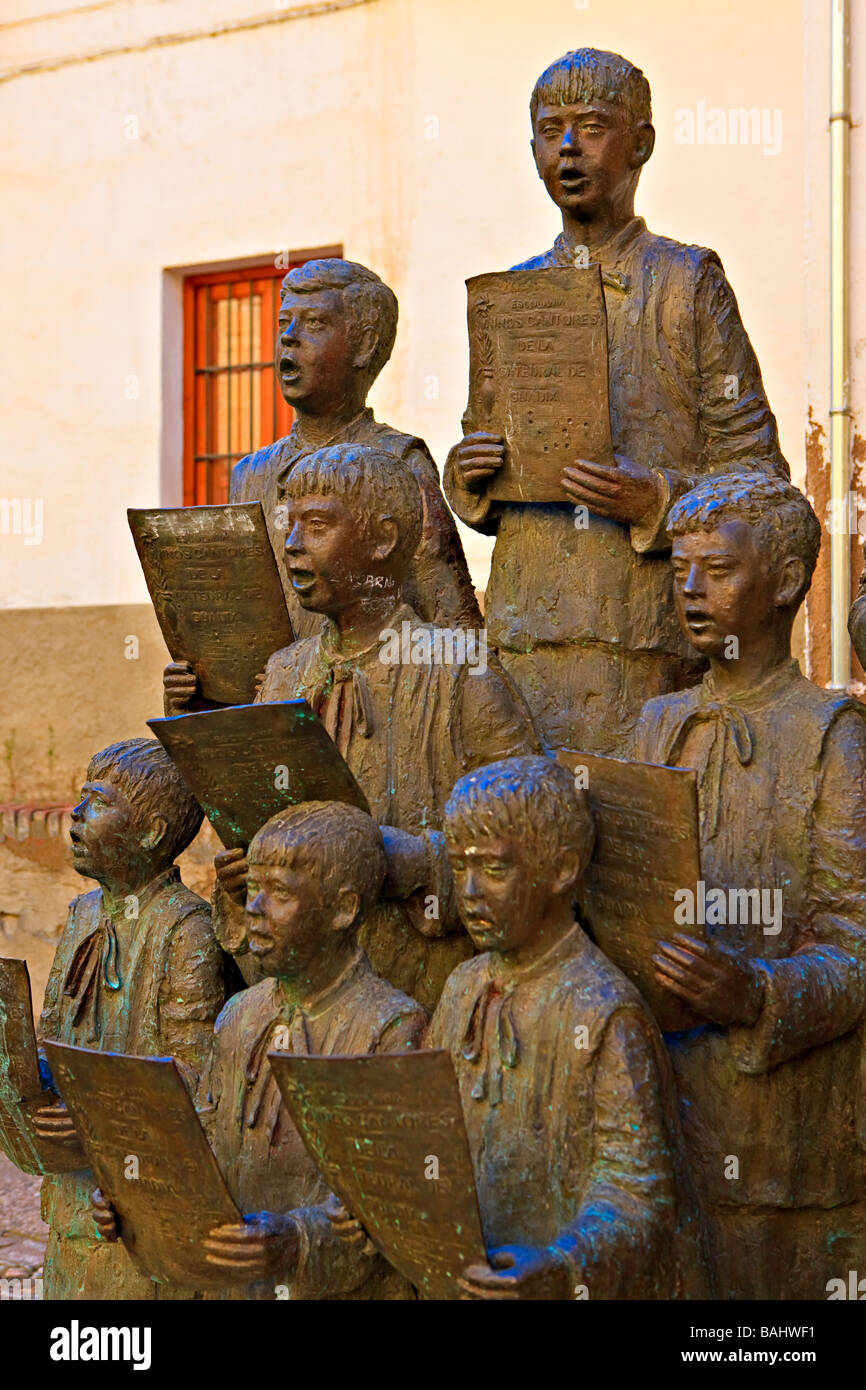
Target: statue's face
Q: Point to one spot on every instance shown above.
(286, 921)
(586, 156)
(722, 588)
(326, 555)
(314, 350)
(103, 832)
(499, 898)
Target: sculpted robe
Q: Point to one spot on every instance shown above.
(408, 731)
(583, 618)
(438, 587)
(782, 796)
(151, 986)
(572, 1133)
(261, 1154)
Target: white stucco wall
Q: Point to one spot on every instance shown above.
(398, 129)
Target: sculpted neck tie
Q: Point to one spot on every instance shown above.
(730, 728)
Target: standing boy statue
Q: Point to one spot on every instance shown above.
(314, 872)
(137, 970)
(337, 326)
(565, 1087)
(772, 1094)
(409, 711)
(579, 601)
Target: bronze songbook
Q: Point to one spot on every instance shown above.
(538, 375)
(387, 1133)
(247, 763)
(216, 592)
(647, 848)
(150, 1157)
(22, 1087)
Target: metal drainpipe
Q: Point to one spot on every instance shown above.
(840, 412)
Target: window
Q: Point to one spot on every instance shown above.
(232, 402)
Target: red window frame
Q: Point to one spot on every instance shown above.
(207, 458)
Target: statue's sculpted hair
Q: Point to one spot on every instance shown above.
(144, 773)
(368, 301)
(368, 480)
(591, 74)
(533, 797)
(339, 843)
(779, 512)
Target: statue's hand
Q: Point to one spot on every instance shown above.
(53, 1124)
(348, 1228)
(721, 985)
(406, 860)
(231, 867)
(476, 458)
(517, 1271)
(629, 493)
(180, 688)
(264, 1245)
(103, 1216)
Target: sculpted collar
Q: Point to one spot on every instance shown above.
(495, 997)
(333, 991)
(608, 254)
(294, 447)
(286, 1031)
(100, 947)
(731, 728)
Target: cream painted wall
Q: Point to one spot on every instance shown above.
(399, 129)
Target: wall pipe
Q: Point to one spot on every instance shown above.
(840, 409)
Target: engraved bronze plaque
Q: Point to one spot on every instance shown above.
(538, 376)
(647, 847)
(372, 1126)
(247, 763)
(150, 1157)
(216, 592)
(22, 1089)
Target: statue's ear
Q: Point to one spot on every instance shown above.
(389, 535)
(535, 156)
(348, 908)
(156, 834)
(568, 872)
(367, 344)
(791, 582)
(644, 143)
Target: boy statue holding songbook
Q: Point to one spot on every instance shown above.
(314, 872)
(337, 326)
(409, 710)
(563, 1077)
(579, 601)
(137, 970)
(772, 1081)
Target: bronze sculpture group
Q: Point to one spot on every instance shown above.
(646, 616)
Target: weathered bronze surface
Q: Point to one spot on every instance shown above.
(216, 592)
(538, 376)
(150, 1157)
(246, 763)
(22, 1087)
(646, 849)
(137, 970)
(387, 1133)
(579, 604)
(314, 873)
(771, 1085)
(563, 1078)
(338, 323)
